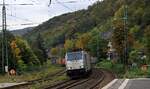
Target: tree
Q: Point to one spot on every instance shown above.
(97, 46)
(82, 41)
(11, 62)
(118, 38)
(26, 53)
(134, 57)
(41, 54)
(134, 30)
(118, 34)
(54, 51)
(17, 56)
(147, 39)
(69, 45)
(62, 52)
(22, 54)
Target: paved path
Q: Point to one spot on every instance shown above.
(142, 83)
(4, 85)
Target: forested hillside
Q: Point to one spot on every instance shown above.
(91, 29)
(20, 32)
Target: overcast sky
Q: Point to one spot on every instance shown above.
(18, 16)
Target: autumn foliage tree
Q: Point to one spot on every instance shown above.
(118, 38)
(82, 41)
(22, 54)
(69, 44)
(54, 51)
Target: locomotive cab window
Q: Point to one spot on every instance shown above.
(74, 56)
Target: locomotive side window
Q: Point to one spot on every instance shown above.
(84, 56)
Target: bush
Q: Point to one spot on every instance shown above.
(105, 64)
(135, 73)
(117, 68)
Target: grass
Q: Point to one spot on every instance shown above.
(31, 75)
(50, 82)
(137, 73)
(118, 69)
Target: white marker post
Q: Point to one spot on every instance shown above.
(6, 69)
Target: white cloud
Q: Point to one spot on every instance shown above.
(39, 11)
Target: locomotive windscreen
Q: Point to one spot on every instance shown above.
(74, 56)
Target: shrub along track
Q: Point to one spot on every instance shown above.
(97, 79)
(47, 78)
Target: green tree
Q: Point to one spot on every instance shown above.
(97, 46)
(134, 57)
(41, 48)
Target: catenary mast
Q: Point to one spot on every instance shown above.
(4, 40)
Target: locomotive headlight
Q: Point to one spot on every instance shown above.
(69, 68)
(82, 66)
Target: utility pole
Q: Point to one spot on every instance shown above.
(4, 40)
(98, 55)
(125, 33)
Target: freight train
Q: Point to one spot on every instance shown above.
(58, 61)
(78, 64)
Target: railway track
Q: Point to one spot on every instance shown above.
(97, 80)
(67, 84)
(48, 77)
(108, 76)
(28, 83)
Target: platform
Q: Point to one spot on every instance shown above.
(140, 83)
(5, 85)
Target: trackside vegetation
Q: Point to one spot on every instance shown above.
(33, 73)
(118, 69)
(91, 30)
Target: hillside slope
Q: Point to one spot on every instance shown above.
(20, 32)
(69, 26)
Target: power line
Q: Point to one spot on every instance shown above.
(23, 24)
(49, 2)
(34, 2)
(16, 4)
(63, 5)
(19, 18)
(71, 2)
